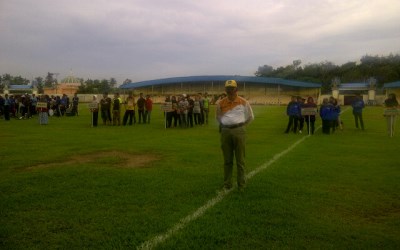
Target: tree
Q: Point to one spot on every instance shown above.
(40, 85)
(50, 82)
(127, 81)
(95, 86)
(382, 68)
(265, 70)
(296, 63)
(104, 86)
(14, 80)
(113, 82)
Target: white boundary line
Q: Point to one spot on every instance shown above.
(152, 243)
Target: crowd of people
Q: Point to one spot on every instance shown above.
(184, 110)
(329, 112)
(111, 109)
(297, 119)
(26, 106)
(187, 110)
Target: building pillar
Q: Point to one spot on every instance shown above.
(371, 96)
(335, 93)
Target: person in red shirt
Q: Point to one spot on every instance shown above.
(148, 106)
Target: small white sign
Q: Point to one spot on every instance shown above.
(41, 105)
(166, 107)
(391, 112)
(308, 111)
(93, 105)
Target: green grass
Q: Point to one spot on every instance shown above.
(60, 188)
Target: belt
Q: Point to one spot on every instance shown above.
(233, 126)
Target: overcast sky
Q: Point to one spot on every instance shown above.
(151, 39)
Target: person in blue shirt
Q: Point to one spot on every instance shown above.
(6, 107)
(358, 105)
(327, 114)
(336, 113)
(293, 110)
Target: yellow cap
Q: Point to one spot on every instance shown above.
(231, 83)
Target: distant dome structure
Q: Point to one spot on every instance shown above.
(71, 80)
(69, 86)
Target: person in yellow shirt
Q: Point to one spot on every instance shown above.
(129, 109)
(233, 114)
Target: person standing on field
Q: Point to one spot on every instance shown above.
(293, 111)
(206, 108)
(105, 105)
(141, 102)
(310, 119)
(148, 108)
(129, 109)
(75, 103)
(116, 110)
(326, 113)
(7, 107)
(391, 103)
(95, 111)
(233, 114)
(358, 105)
(43, 115)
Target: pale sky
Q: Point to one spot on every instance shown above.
(152, 39)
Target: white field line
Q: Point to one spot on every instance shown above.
(152, 243)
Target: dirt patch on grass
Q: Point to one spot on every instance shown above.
(117, 159)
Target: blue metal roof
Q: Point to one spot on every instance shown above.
(220, 78)
(20, 87)
(392, 85)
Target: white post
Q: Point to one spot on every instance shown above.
(391, 126)
(165, 123)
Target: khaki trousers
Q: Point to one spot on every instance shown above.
(233, 146)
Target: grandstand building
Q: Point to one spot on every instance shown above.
(258, 90)
(19, 89)
(392, 87)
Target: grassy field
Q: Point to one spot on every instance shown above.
(69, 186)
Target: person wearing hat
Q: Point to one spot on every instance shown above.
(233, 114)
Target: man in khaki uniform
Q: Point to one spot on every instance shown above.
(233, 114)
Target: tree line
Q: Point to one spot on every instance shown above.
(383, 69)
(51, 81)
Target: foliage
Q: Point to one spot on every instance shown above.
(383, 68)
(50, 81)
(97, 86)
(40, 84)
(13, 80)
